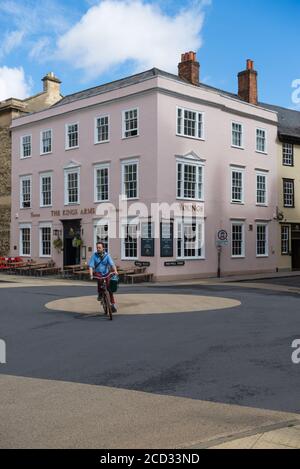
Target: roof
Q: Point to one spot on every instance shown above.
(132, 80)
(288, 122)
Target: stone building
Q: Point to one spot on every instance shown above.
(9, 110)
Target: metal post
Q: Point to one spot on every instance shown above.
(219, 261)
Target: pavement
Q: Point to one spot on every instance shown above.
(202, 364)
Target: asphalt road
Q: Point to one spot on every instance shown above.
(239, 356)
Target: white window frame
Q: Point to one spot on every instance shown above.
(241, 147)
(21, 227)
(41, 226)
(101, 116)
(41, 142)
(267, 239)
(287, 239)
(124, 223)
(265, 175)
(42, 175)
(179, 224)
(292, 182)
(265, 152)
(198, 166)
(198, 113)
(22, 148)
(242, 224)
(96, 168)
(66, 192)
(27, 177)
(242, 171)
(124, 137)
(101, 222)
(126, 163)
(67, 136)
(291, 147)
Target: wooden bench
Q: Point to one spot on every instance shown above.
(140, 277)
(47, 271)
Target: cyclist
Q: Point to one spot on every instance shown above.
(100, 265)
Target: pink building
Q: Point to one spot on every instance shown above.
(153, 138)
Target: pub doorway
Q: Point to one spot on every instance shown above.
(296, 247)
(71, 229)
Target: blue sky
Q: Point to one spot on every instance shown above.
(89, 42)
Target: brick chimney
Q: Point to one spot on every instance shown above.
(248, 84)
(188, 68)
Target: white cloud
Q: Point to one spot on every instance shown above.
(13, 83)
(115, 32)
(11, 40)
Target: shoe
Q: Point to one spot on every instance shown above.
(99, 298)
(113, 308)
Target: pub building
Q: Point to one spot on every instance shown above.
(153, 138)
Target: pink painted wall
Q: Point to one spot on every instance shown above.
(155, 148)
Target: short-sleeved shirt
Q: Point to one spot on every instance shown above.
(102, 264)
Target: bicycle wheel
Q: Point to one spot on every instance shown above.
(107, 305)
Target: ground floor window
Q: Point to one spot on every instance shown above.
(129, 241)
(285, 240)
(101, 234)
(190, 239)
(45, 241)
(237, 237)
(25, 240)
(261, 240)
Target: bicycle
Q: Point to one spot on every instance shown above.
(105, 298)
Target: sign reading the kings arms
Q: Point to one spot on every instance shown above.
(73, 212)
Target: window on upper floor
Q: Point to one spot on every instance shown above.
(130, 189)
(130, 123)
(46, 141)
(26, 146)
(102, 129)
(261, 141)
(189, 181)
(101, 183)
(237, 186)
(46, 190)
(72, 186)
(288, 193)
(25, 191)
(190, 123)
(72, 136)
(261, 189)
(288, 154)
(237, 135)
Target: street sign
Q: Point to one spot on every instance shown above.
(222, 235)
(222, 238)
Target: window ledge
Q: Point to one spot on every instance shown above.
(100, 143)
(71, 148)
(237, 148)
(201, 139)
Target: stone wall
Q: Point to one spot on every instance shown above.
(5, 190)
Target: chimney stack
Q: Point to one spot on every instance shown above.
(248, 84)
(51, 84)
(188, 68)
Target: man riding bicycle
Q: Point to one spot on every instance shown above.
(101, 265)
